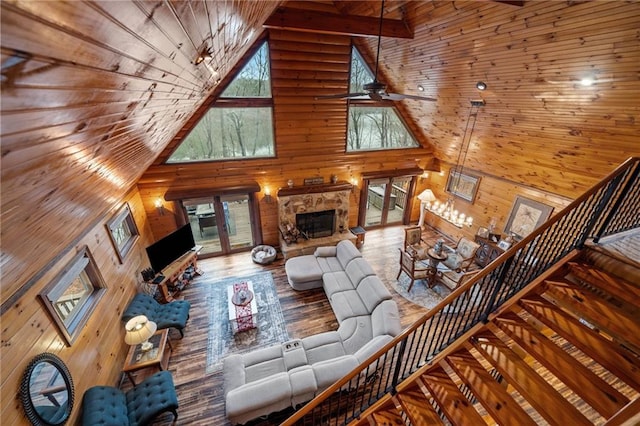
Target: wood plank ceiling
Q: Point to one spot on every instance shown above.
(93, 92)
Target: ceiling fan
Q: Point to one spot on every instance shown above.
(376, 90)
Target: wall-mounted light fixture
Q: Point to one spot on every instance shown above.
(203, 54)
(159, 206)
(420, 88)
(481, 85)
(424, 176)
(354, 183)
(267, 195)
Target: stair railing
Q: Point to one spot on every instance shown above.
(612, 206)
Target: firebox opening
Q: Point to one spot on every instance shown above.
(317, 224)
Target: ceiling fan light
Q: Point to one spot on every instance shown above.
(481, 85)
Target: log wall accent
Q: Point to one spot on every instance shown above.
(97, 355)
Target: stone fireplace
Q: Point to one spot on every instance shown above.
(324, 205)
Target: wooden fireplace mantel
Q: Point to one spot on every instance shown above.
(315, 189)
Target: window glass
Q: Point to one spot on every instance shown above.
(376, 128)
(373, 127)
(240, 125)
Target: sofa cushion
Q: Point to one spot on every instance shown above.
(371, 347)
(174, 314)
(323, 346)
(372, 291)
(259, 398)
(385, 319)
(304, 272)
(293, 354)
(335, 282)
(303, 384)
(329, 264)
(357, 270)
(330, 371)
(347, 304)
(355, 332)
(346, 251)
(263, 363)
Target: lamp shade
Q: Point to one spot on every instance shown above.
(138, 330)
(426, 196)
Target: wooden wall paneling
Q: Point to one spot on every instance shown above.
(27, 329)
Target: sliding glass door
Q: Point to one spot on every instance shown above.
(220, 224)
(386, 200)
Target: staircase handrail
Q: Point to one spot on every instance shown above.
(612, 206)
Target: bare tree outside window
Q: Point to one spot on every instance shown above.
(232, 129)
(373, 128)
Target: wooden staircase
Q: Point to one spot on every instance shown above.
(565, 350)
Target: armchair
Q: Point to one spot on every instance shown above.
(462, 256)
(107, 405)
(413, 242)
(408, 266)
(173, 314)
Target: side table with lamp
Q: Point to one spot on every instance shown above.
(149, 347)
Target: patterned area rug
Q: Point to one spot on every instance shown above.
(420, 294)
(271, 327)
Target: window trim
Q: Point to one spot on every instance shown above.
(124, 215)
(82, 262)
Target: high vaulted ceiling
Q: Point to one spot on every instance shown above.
(93, 92)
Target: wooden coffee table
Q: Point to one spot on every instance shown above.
(242, 317)
(157, 357)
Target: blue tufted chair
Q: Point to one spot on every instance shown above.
(107, 405)
(173, 314)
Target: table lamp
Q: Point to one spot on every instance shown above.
(138, 330)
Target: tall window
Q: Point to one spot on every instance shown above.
(373, 127)
(240, 123)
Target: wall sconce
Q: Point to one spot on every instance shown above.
(159, 206)
(267, 195)
(424, 176)
(354, 183)
(481, 85)
(203, 54)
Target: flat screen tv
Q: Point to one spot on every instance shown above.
(166, 250)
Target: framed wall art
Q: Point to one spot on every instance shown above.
(526, 215)
(462, 185)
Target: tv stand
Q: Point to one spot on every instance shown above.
(173, 275)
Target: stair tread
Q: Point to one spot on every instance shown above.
(541, 395)
(596, 311)
(493, 396)
(615, 286)
(454, 404)
(617, 360)
(584, 382)
(388, 415)
(417, 407)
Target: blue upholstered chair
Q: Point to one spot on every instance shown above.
(173, 314)
(107, 405)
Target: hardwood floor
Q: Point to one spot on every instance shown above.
(201, 396)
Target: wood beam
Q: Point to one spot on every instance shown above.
(330, 23)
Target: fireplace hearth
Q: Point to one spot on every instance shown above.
(317, 224)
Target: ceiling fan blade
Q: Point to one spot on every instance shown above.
(344, 96)
(400, 97)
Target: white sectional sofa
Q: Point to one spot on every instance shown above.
(271, 379)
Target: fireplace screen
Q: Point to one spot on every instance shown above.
(317, 224)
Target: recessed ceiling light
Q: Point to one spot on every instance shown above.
(481, 85)
(420, 88)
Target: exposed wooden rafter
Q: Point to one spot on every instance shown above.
(330, 23)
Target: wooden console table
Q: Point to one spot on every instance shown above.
(173, 274)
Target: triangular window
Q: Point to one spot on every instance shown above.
(239, 127)
(373, 128)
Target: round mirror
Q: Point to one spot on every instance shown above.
(46, 391)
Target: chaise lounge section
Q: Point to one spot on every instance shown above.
(271, 379)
